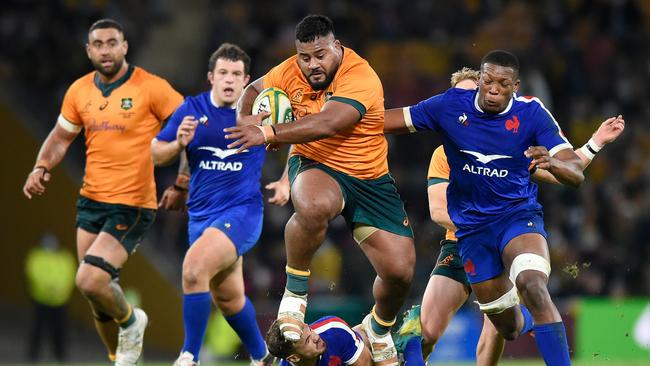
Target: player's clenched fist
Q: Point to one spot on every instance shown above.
(174, 199)
(540, 155)
(35, 184)
(186, 129)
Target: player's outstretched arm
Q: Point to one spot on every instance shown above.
(335, 116)
(52, 152)
(164, 152)
(438, 205)
(394, 122)
(606, 133)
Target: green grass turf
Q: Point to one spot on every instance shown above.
(504, 363)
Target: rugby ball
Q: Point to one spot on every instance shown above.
(275, 101)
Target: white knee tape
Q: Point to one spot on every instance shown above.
(498, 306)
(528, 262)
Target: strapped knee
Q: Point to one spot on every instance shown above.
(528, 262)
(99, 262)
(498, 306)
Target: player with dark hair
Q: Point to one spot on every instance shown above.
(121, 107)
(491, 136)
(448, 288)
(329, 341)
(338, 166)
(225, 205)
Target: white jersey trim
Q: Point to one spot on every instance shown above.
(559, 148)
(554, 150)
(67, 125)
(358, 343)
(407, 119)
(508, 107)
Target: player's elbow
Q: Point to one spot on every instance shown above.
(158, 155)
(579, 178)
(438, 216)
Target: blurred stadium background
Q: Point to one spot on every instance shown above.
(585, 59)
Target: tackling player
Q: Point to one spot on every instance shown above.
(448, 288)
(491, 137)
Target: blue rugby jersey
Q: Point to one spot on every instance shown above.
(344, 346)
(489, 174)
(220, 178)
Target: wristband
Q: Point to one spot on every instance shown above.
(593, 146)
(45, 169)
(179, 188)
(269, 133)
(182, 182)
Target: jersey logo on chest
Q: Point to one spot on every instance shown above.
(221, 154)
(485, 158)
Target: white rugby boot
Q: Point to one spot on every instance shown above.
(185, 359)
(382, 347)
(129, 343)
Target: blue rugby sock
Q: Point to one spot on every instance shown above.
(552, 343)
(413, 352)
(196, 313)
(528, 320)
(244, 323)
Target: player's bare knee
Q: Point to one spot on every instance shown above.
(230, 303)
(398, 275)
(534, 293)
(193, 276)
(509, 332)
(91, 280)
(430, 332)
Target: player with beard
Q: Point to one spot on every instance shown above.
(121, 107)
(225, 205)
(338, 166)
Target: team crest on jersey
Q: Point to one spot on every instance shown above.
(513, 124)
(127, 103)
(297, 98)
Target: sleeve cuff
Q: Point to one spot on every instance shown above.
(67, 125)
(407, 119)
(559, 148)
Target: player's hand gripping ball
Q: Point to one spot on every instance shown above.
(277, 103)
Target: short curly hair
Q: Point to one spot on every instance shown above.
(313, 26)
(464, 74)
(278, 346)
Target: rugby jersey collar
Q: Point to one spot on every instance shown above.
(107, 89)
(508, 107)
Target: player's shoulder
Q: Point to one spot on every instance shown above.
(288, 67)
(355, 65)
(143, 76)
(329, 322)
(439, 153)
(202, 99)
(83, 83)
(527, 103)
